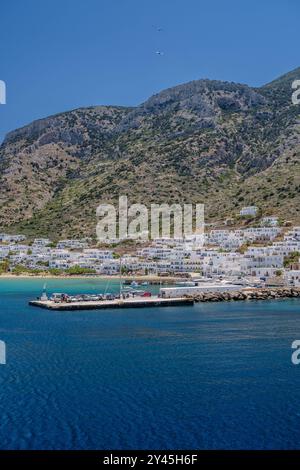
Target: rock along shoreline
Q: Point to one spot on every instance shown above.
(249, 294)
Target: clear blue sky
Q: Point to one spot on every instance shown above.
(62, 54)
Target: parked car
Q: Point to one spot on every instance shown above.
(58, 297)
(146, 294)
(109, 297)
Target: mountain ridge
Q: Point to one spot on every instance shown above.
(204, 141)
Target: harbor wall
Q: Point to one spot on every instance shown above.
(248, 294)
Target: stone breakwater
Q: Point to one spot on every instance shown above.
(248, 294)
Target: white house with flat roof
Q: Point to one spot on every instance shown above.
(41, 242)
(293, 234)
(270, 221)
(250, 211)
(292, 278)
(6, 238)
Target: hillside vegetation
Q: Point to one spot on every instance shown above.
(223, 144)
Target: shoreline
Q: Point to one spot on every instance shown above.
(156, 279)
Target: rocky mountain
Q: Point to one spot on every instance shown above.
(224, 144)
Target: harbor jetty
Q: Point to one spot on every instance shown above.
(248, 294)
(136, 302)
(63, 302)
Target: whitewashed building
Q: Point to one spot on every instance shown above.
(249, 211)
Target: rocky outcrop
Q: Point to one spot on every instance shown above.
(246, 294)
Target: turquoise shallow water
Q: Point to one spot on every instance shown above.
(210, 376)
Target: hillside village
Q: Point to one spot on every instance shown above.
(267, 254)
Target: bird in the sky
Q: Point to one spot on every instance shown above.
(159, 52)
(158, 28)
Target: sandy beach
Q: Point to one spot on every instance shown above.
(150, 279)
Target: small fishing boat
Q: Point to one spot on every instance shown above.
(134, 284)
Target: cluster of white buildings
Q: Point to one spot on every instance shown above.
(258, 252)
(43, 256)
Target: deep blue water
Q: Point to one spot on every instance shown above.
(210, 376)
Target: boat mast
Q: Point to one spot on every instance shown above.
(120, 278)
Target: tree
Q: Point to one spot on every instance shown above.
(78, 270)
(4, 266)
(293, 257)
(52, 245)
(124, 270)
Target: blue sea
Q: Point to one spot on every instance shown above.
(212, 376)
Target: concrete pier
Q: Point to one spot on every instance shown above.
(140, 302)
